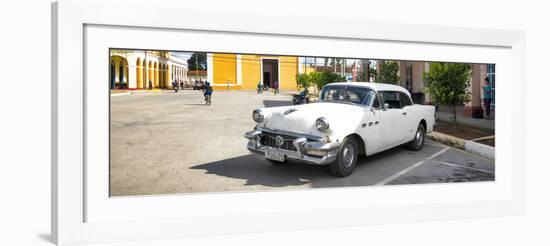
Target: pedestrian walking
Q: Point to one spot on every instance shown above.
(181, 85)
(150, 85)
(487, 96)
(208, 93)
(260, 87)
(228, 84)
(275, 87)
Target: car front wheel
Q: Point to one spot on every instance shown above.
(347, 158)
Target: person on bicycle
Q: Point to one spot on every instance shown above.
(175, 85)
(208, 93)
(260, 87)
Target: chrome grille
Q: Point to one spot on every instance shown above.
(269, 139)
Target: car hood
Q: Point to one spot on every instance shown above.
(301, 119)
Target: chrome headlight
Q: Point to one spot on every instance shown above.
(322, 124)
(257, 116)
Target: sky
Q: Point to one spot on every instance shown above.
(182, 55)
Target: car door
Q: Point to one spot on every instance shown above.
(409, 124)
(370, 127)
(392, 123)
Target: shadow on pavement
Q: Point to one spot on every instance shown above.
(257, 171)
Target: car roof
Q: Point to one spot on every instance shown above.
(378, 86)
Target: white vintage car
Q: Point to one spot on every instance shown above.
(350, 119)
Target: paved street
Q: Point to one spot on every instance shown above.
(166, 143)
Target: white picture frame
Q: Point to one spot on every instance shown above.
(82, 212)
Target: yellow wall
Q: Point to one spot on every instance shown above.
(225, 68)
(251, 69)
(289, 68)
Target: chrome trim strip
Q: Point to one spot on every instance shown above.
(295, 134)
(293, 155)
(302, 145)
(252, 134)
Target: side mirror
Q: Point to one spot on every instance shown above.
(386, 106)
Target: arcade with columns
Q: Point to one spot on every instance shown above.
(139, 69)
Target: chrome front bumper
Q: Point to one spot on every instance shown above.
(309, 149)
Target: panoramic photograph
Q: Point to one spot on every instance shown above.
(185, 122)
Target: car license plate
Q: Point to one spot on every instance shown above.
(276, 156)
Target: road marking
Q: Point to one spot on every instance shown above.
(408, 169)
(120, 94)
(472, 168)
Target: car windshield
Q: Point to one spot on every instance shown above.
(347, 94)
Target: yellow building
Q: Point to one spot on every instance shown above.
(137, 69)
(243, 72)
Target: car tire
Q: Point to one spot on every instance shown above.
(419, 137)
(346, 160)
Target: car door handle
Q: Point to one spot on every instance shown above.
(404, 113)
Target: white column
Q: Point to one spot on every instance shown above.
(185, 74)
(210, 67)
(169, 74)
(239, 70)
(124, 73)
(117, 72)
(131, 76)
(300, 65)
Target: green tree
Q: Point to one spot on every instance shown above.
(302, 80)
(329, 77)
(197, 58)
(448, 84)
(372, 74)
(316, 78)
(387, 72)
(319, 79)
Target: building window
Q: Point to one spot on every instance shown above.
(491, 76)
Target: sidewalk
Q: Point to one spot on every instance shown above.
(472, 135)
(484, 124)
(124, 92)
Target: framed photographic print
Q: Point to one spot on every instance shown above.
(165, 128)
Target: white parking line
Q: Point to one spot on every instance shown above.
(472, 168)
(120, 94)
(406, 170)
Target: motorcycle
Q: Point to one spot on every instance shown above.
(300, 98)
